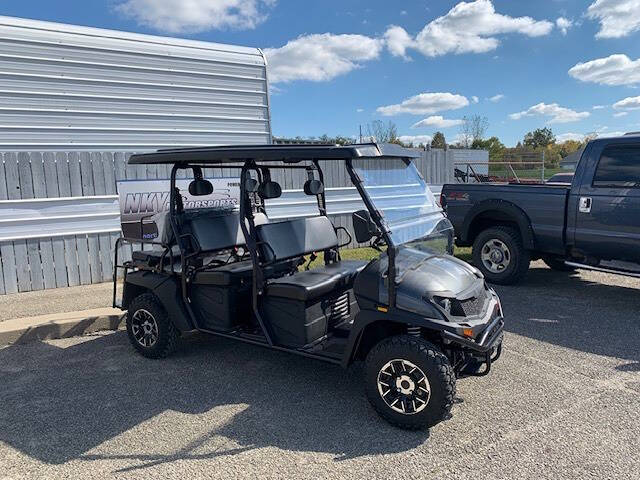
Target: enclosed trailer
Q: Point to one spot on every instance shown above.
(66, 87)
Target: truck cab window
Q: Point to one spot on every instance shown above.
(619, 166)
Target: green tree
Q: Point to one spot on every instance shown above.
(495, 147)
(539, 138)
(438, 140)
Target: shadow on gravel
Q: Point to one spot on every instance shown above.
(567, 310)
(56, 404)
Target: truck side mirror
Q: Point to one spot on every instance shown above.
(363, 226)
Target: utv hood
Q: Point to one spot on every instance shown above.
(427, 274)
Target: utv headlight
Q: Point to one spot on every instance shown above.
(444, 303)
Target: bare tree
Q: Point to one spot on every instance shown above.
(383, 132)
(474, 127)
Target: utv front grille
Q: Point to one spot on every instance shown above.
(470, 307)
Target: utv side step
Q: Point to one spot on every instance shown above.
(263, 343)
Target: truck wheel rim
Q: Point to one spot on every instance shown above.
(404, 387)
(144, 328)
(495, 256)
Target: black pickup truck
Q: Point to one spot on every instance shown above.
(592, 223)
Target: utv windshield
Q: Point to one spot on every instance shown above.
(406, 203)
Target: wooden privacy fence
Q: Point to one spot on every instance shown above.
(56, 259)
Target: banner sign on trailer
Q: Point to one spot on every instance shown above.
(141, 199)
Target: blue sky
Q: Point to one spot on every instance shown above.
(424, 64)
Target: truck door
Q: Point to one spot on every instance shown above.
(608, 206)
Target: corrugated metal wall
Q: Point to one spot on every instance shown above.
(64, 87)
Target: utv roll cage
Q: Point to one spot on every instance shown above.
(260, 160)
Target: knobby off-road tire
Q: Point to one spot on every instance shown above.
(150, 330)
(405, 352)
(500, 255)
(557, 264)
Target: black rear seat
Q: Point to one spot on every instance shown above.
(152, 258)
(212, 229)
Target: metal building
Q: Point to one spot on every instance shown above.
(66, 87)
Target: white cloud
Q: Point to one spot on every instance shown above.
(563, 137)
(598, 107)
(359, 110)
(177, 16)
(475, 99)
(320, 57)
(611, 134)
(415, 139)
(496, 98)
(620, 114)
(618, 18)
(397, 39)
(426, 104)
(579, 137)
(629, 103)
(563, 24)
(617, 69)
(437, 121)
(469, 27)
(557, 113)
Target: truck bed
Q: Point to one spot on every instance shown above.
(543, 205)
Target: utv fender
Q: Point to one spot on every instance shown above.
(369, 327)
(168, 291)
(505, 211)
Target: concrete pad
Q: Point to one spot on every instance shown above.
(58, 325)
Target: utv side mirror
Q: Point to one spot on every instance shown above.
(363, 226)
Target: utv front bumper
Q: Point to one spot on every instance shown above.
(485, 348)
(484, 342)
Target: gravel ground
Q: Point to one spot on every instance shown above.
(562, 402)
(57, 300)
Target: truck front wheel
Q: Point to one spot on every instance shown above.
(409, 382)
(500, 255)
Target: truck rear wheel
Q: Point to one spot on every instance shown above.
(149, 327)
(500, 255)
(409, 382)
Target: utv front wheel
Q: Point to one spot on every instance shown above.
(409, 382)
(150, 330)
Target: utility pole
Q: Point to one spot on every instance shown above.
(360, 133)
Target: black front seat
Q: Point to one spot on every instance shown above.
(312, 284)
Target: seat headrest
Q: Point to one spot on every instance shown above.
(313, 187)
(200, 187)
(269, 189)
(251, 185)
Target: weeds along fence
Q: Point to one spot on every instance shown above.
(59, 215)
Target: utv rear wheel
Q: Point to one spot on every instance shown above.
(500, 255)
(150, 330)
(409, 382)
(557, 264)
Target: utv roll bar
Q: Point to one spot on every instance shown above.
(262, 158)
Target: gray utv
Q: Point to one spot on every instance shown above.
(416, 315)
